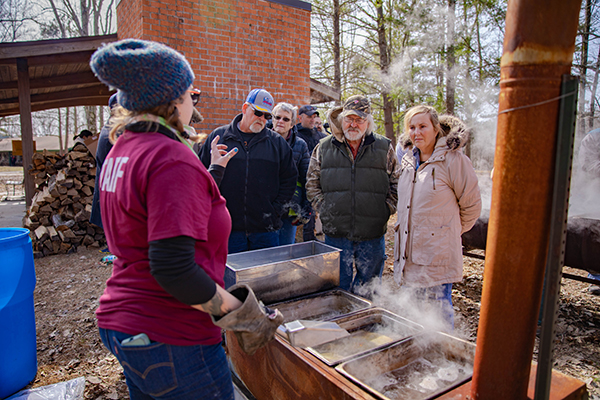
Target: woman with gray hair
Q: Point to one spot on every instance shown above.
(438, 200)
(298, 210)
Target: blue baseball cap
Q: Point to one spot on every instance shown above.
(261, 100)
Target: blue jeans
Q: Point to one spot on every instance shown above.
(442, 295)
(164, 371)
(368, 256)
(241, 241)
(287, 233)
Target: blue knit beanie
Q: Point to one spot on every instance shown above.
(147, 74)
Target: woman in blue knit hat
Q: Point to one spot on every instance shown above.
(163, 308)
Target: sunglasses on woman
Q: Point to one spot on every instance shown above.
(260, 114)
(285, 119)
(195, 95)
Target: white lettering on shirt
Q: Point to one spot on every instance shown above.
(111, 172)
(105, 174)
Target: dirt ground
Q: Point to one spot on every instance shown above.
(68, 345)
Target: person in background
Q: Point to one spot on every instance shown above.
(589, 161)
(319, 125)
(307, 116)
(82, 136)
(260, 180)
(438, 200)
(284, 116)
(164, 305)
(104, 146)
(352, 182)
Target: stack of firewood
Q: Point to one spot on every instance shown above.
(60, 209)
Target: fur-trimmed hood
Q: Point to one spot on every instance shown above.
(334, 123)
(455, 132)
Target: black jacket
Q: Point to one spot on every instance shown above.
(258, 180)
(104, 146)
(310, 136)
(302, 159)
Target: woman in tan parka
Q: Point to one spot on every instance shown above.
(438, 200)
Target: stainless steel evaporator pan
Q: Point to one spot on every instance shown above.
(279, 273)
(322, 306)
(370, 329)
(421, 367)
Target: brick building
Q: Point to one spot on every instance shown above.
(232, 45)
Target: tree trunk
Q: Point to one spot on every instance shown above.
(75, 121)
(450, 59)
(61, 26)
(594, 87)
(479, 47)
(585, 38)
(101, 116)
(60, 142)
(384, 60)
(67, 131)
(337, 70)
(90, 118)
(85, 18)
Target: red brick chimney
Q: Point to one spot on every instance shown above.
(232, 45)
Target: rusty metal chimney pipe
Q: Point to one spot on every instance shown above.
(538, 49)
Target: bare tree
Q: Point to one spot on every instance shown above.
(450, 58)
(17, 19)
(585, 39)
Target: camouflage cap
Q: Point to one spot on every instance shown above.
(358, 105)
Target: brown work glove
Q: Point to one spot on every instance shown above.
(253, 323)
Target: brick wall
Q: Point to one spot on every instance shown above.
(232, 45)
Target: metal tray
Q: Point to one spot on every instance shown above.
(370, 330)
(285, 272)
(421, 367)
(322, 306)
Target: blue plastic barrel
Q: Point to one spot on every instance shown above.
(18, 355)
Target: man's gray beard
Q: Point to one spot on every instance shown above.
(352, 136)
(256, 127)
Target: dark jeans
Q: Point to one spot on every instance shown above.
(164, 371)
(287, 233)
(241, 241)
(369, 258)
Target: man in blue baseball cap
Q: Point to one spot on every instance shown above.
(260, 179)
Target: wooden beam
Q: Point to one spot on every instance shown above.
(79, 78)
(98, 89)
(82, 57)
(51, 47)
(26, 128)
(324, 90)
(100, 100)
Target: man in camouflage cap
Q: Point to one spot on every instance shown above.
(353, 182)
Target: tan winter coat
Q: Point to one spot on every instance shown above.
(436, 204)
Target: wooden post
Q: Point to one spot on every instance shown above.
(26, 127)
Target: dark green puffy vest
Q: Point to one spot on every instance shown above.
(354, 191)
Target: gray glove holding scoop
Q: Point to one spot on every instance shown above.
(253, 324)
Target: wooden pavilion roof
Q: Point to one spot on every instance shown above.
(59, 73)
